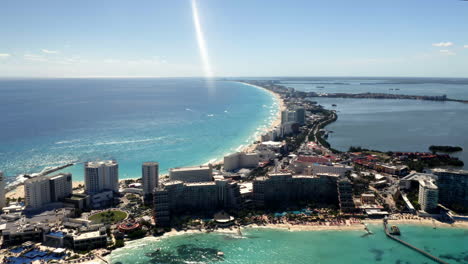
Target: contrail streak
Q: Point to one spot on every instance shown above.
(201, 41)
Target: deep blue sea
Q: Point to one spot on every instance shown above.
(394, 125)
(175, 121)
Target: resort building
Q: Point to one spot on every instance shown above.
(240, 160)
(149, 178)
(270, 136)
(345, 195)
(79, 201)
(2, 192)
(293, 116)
(282, 189)
(202, 173)
(101, 176)
(453, 187)
(301, 163)
(43, 190)
(412, 180)
(399, 170)
(316, 169)
(428, 195)
(60, 186)
(367, 198)
(31, 227)
(88, 240)
(177, 196)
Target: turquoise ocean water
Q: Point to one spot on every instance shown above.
(175, 121)
(280, 246)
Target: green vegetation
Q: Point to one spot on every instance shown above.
(330, 117)
(119, 243)
(361, 149)
(137, 234)
(447, 149)
(414, 199)
(419, 165)
(259, 171)
(108, 217)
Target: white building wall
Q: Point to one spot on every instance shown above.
(428, 195)
(335, 169)
(231, 162)
(241, 160)
(192, 174)
(101, 175)
(249, 160)
(37, 192)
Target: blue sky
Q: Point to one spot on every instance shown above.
(56, 38)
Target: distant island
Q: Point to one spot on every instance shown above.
(447, 149)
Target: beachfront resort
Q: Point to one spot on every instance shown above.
(290, 178)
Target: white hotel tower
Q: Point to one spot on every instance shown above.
(101, 176)
(149, 177)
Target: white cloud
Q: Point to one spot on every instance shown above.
(50, 51)
(443, 44)
(4, 55)
(34, 57)
(465, 46)
(447, 52)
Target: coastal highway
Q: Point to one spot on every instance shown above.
(316, 129)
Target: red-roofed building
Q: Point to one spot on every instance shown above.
(313, 159)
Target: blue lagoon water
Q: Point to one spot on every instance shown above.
(394, 125)
(177, 122)
(282, 247)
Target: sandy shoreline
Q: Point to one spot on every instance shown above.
(298, 228)
(275, 123)
(301, 228)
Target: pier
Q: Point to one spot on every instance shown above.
(434, 258)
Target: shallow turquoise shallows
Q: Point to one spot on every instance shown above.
(278, 246)
(177, 122)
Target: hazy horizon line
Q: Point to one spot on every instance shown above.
(227, 77)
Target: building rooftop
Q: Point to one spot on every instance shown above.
(428, 184)
(312, 159)
(150, 163)
(97, 164)
(418, 176)
(200, 183)
(272, 143)
(169, 183)
(194, 168)
(462, 172)
(87, 235)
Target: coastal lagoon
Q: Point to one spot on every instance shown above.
(394, 125)
(175, 121)
(281, 246)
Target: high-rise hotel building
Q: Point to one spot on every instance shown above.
(42, 190)
(150, 178)
(101, 176)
